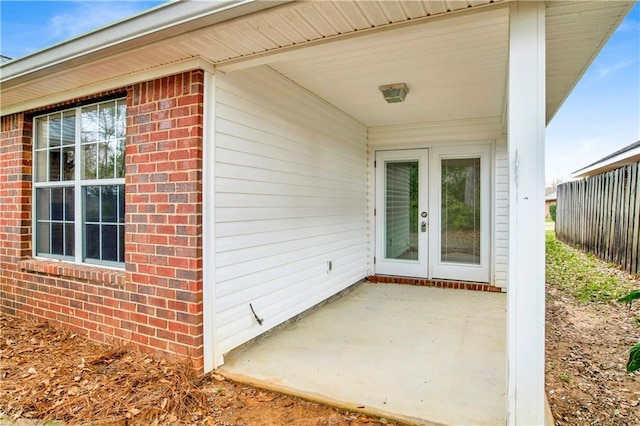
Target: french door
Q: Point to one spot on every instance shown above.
(402, 222)
(432, 213)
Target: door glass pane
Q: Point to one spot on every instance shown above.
(401, 201)
(460, 211)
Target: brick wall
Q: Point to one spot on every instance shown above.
(15, 207)
(156, 304)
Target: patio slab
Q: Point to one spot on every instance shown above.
(416, 354)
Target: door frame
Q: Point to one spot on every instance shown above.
(455, 272)
(407, 268)
(460, 271)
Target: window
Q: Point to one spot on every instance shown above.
(79, 184)
(460, 211)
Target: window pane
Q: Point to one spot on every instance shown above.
(107, 124)
(89, 121)
(120, 158)
(92, 238)
(41, 158)
(109, 204)
(121, 205)
(460, 210)
(69, 239)
(92, 203)
(57, 203)
(106, 160)
(43, 211)
(121, 243)
(42, 243)
(42, 124)
(55, 129)
(110, 242)
(89, 161)
(68, 163)
(69, 127)
(401, 210)
(69, 204)
(54, 165)
(57, 238)
(121, 119)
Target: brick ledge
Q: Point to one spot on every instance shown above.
(463, 285)
(94, 274)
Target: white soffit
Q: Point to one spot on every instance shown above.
(576, 32)
(455, 69)
(292, 24)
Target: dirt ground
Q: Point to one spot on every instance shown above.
(586, 355)
(51, 374)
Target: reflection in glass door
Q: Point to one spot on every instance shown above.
(460, 211)
(401, 210)
(401, 218)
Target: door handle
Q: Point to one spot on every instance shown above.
(423, 226)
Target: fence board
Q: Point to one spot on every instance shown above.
(601, 214)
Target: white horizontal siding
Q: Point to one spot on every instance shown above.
(501, 211)
(426, 134)
(290, 196)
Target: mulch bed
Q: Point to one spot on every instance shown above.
(52, 374)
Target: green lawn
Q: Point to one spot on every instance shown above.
(583, 275)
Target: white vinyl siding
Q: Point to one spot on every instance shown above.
(501, 211)
(290, 197)
(459, 133)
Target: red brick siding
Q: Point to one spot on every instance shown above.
(157, 302)
(15, 206)
(460, 285)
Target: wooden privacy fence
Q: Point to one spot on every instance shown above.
(601, 214)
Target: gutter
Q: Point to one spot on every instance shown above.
(162, 22)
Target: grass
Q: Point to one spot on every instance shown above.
(583, 275)
(565, 378)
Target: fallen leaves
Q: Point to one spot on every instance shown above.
(586, 351)
(67, 378)
(51, 374)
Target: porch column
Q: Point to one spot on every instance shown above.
(526, 281)
(212, 359)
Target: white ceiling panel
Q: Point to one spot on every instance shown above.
(454, 70)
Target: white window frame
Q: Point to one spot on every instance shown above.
(78, 184)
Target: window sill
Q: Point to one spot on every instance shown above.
(70, 270)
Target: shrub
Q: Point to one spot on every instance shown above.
(552, 211)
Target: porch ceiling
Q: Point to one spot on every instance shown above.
(455, 69)
(234, 34)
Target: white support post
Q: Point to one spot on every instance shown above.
(526, 287)
(211, 358)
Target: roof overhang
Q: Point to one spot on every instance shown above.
(612, 162)
(230, 35)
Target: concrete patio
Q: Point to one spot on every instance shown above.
(416, 354)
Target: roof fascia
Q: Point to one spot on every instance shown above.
(154, 25)
(608, 164)
(114, 83)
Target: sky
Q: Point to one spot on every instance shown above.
(601, 115)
